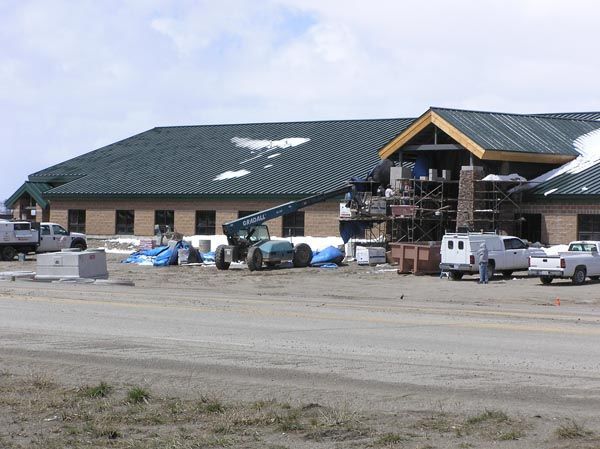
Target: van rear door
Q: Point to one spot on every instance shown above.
(456, 251)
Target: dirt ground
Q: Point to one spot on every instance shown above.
(298, 358)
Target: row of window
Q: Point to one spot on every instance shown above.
(293, 224)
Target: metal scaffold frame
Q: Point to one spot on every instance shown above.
(492, 200)
(423, 209)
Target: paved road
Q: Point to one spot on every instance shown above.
(382, 353)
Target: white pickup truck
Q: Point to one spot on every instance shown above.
(506, 254)
(25, 237)
(581, 260)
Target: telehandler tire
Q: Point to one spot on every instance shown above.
(254, 259)
(302, 255)
(220, 258)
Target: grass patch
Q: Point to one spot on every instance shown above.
(511, 435)
(488, 415)
(210, 405)
(390, 439)
(99, 391)
(572, 431)
(138, 395)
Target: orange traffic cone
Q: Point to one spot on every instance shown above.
(557, 301)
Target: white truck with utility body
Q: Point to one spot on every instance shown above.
(505, 254)
(26, 237)
(581, 260)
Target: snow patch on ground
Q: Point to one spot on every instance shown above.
(316, 243)
(231, 174)
(125, 241)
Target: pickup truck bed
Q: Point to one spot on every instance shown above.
(582, 260)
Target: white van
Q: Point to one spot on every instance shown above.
(506, 254)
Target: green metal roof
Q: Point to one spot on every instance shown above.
(582, 184)
(262, 159)
(585, 183)
(517, 132)
(573, 115)
(35, 189)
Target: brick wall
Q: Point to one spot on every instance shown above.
(320, 220)
(559, 221)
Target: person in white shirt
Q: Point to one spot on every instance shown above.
(389, 192)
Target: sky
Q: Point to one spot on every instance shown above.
(76, 75)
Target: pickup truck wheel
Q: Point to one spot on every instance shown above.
(455, 275)
(491, 270)
(254, 259)
(220, 258)
(80, 245)
(302, 255)
(507, 274)
(546, 280)
(578, 276)
(8, 253)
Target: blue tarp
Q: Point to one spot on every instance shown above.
(327, 256)
(351, 229)
(161, 256)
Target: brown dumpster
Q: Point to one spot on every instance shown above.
(418, 257)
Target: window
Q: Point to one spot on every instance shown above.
(59, 230)
(205, 222)
(124, 223)
(164, 219)
(514, 244)
(244, 213)
(76, 220)
(461, 244)
(450, 244)
(22, 227)
(45, 229)
(293, 224)
(588, 227)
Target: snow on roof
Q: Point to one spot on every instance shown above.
(231, 174)
(588, 147)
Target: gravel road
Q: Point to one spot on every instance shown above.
(342, 336)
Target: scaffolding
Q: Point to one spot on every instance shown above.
(495, 206)
(423, 209)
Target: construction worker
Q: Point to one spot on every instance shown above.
(389, 192)
(483, 257)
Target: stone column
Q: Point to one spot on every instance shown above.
(467, 196)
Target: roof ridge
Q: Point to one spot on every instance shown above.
(286, 123)
(538, 115)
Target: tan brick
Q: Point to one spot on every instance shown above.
(320, 220)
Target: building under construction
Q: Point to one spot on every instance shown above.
(196, 178)
(459, 171)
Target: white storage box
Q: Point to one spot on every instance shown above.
(370, 255)
(89, 264)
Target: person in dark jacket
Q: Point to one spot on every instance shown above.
(483, 257)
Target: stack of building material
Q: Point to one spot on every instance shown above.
(370, 255)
